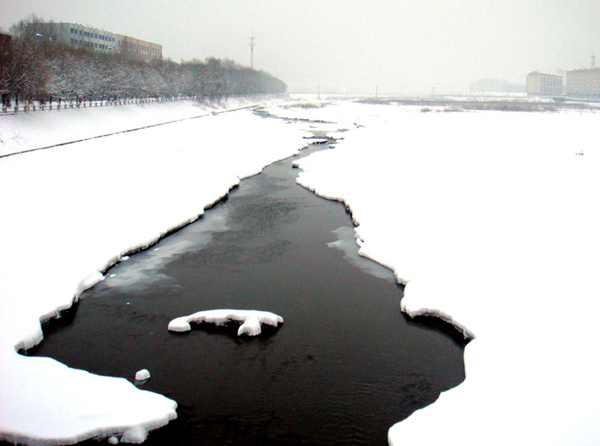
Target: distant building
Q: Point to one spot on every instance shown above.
(77, 35)
(583, 83)
(96, 39)
(544, 84)
(139, 49)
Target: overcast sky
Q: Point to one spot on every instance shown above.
(389, 44)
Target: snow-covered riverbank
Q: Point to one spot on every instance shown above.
(489, 216)
(41, 129)
(491, 219)
(65, 216)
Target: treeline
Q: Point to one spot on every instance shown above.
(34, 68)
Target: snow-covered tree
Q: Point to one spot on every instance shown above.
(36, 66)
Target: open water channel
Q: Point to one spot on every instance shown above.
(342, 369)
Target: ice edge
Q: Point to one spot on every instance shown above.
(467, 334)
(96, 277)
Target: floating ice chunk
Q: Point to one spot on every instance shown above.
(135, 435)
(142, 375)
(113, 440)
(251, 320)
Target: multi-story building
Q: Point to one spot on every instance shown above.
(544, 84)
(584, 82)
(96, 39)
(77, 35)
(139, 49)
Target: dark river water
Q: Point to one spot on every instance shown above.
(343, 368)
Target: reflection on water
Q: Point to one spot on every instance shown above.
(342, 369)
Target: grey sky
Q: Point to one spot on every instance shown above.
(391, 44)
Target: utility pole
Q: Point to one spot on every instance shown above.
(252, 45)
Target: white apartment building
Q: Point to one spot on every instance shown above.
(96, 39)
(544, 84)
(78, 35)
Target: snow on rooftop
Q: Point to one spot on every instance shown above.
(251, 320)
(70, 212)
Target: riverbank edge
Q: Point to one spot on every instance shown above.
(96, 276)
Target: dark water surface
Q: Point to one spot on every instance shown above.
(342, 369)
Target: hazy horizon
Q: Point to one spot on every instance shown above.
(345, 45)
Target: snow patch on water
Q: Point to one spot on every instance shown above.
(251, 320)
(142, 375)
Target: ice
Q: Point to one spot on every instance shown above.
(489, 219)
(71, 212)
(142, 375)
(88, 282)
(251, 320)
(346, 242)
(144, 275)
(135, 435)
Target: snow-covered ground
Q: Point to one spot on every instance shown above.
(491, 218)
(50, 127)
(69, 211)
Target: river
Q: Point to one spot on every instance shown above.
(343, 368)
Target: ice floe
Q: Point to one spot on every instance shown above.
(251, 320)
(142, 375)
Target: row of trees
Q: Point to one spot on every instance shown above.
(33, 67)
